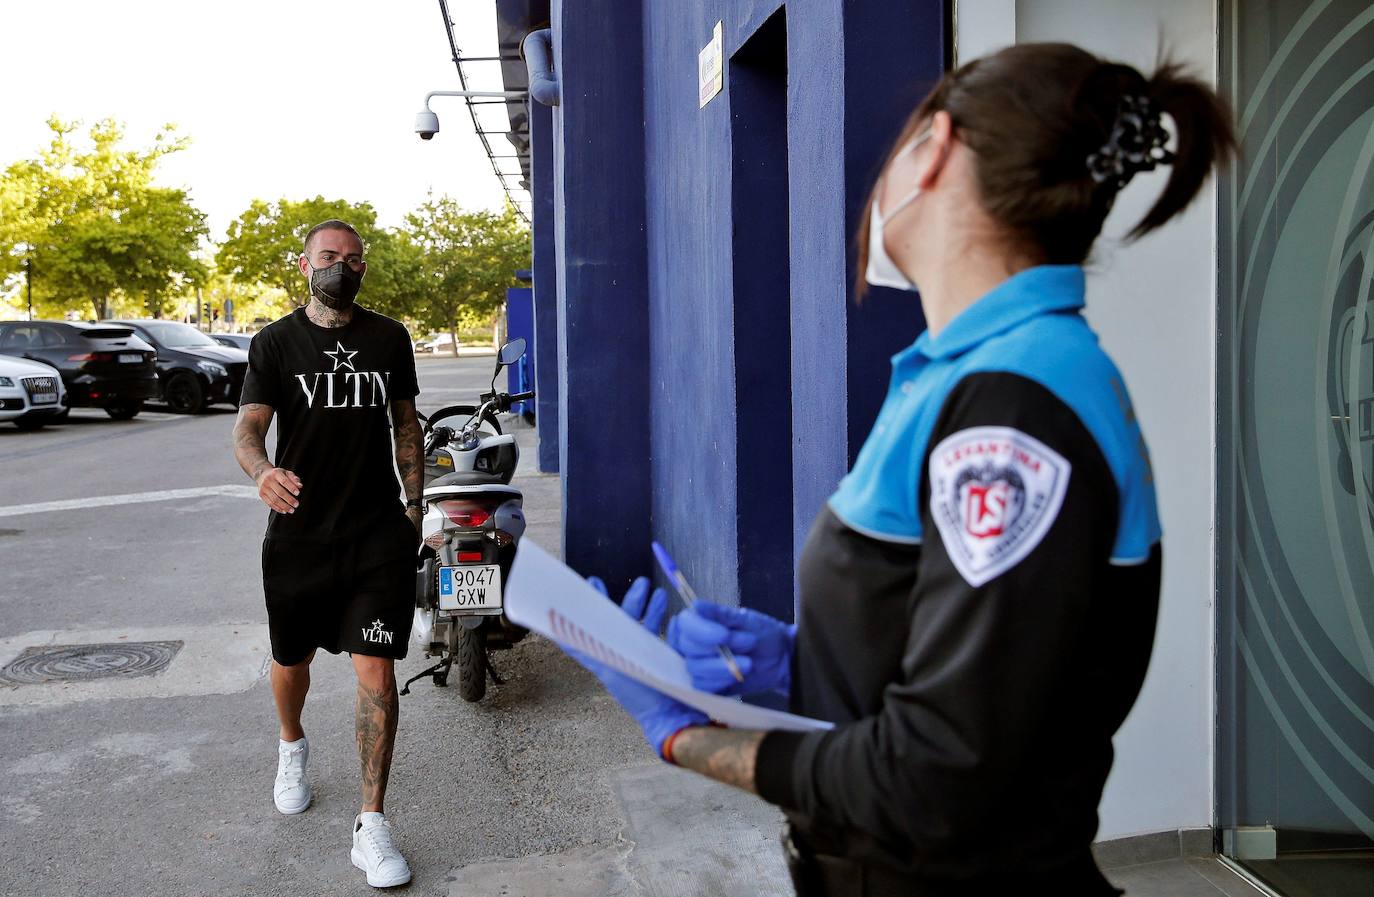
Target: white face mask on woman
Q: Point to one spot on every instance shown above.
(882, 271)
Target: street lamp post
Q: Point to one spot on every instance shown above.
(28, 283)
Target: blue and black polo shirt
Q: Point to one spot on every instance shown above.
(977, 607)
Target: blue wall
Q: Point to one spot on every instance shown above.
(884, 57)
(545, 286)
(718, 239)
(884, 80)
(520, 324)
(602, 289)
(762, 317)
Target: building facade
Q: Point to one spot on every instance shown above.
(708, 378)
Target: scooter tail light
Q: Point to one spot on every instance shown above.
(465, 513)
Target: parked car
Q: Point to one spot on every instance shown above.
(233, 340)
(441, 343)
(195, 370)
(102, 365)
(31, 393)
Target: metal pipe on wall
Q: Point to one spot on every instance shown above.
(537, 49)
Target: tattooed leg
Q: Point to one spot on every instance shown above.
(726, 755)
(378, 711)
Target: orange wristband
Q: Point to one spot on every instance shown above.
(668, 742)
(668, 745)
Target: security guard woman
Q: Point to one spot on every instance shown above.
(978, 598)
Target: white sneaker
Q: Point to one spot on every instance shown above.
(374, 853)
(291, 793)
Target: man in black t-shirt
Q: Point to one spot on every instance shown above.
(338, 561)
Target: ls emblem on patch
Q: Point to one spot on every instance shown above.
(994, 493)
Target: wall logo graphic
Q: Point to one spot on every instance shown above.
(1295, 546)
(1350, 374)
(994, 493)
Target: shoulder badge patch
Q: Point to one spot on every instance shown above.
(994, 493)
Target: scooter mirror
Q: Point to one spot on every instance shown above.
(510, 353)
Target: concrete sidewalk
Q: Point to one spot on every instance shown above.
(679, 834)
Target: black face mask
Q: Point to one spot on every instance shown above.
(335, 286)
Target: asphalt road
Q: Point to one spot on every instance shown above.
(161, 784)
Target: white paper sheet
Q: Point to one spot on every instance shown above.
(546, 596)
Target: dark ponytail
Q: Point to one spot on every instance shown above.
(1040, 119)
(1204, 136)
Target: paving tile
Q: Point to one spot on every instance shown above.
(1169, 878)
(1138, 849)
(1222, 877)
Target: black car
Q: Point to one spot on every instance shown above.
(234, 340)
(102, 365)
(195, 370)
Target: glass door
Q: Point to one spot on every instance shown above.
(1296, 447)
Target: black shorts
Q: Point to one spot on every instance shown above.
(355, 594)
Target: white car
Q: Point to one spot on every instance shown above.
(31, 393)
(441, 343)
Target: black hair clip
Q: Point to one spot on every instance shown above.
(1136, 144)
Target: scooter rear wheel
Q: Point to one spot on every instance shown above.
(470, 655)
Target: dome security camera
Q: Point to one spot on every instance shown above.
(426, 124)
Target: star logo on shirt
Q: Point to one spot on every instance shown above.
(342, 357)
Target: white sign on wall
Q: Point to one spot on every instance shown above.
(711, 68)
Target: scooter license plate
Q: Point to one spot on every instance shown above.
(471, 589)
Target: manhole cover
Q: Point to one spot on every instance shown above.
(79, 663)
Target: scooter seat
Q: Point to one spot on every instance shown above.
(467, 478)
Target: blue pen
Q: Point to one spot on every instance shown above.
(689, 598)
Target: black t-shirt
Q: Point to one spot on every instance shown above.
(332, 389)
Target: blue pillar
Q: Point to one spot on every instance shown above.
(520, 325)
(602, 289)
(545, 286)
(883, 57)
(894, 53)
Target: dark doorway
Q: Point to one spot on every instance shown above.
(762, 318)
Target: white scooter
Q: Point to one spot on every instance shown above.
(473, 522)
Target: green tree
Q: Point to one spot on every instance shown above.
(394, 268)
(465, 260)
(264, 242)
(96, 228)
(251, 302)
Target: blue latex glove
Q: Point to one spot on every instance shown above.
(658, 715)
(761, 644)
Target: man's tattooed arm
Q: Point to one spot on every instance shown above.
(726, 755)
(410, 462)
(250, 439)
(279, 489)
